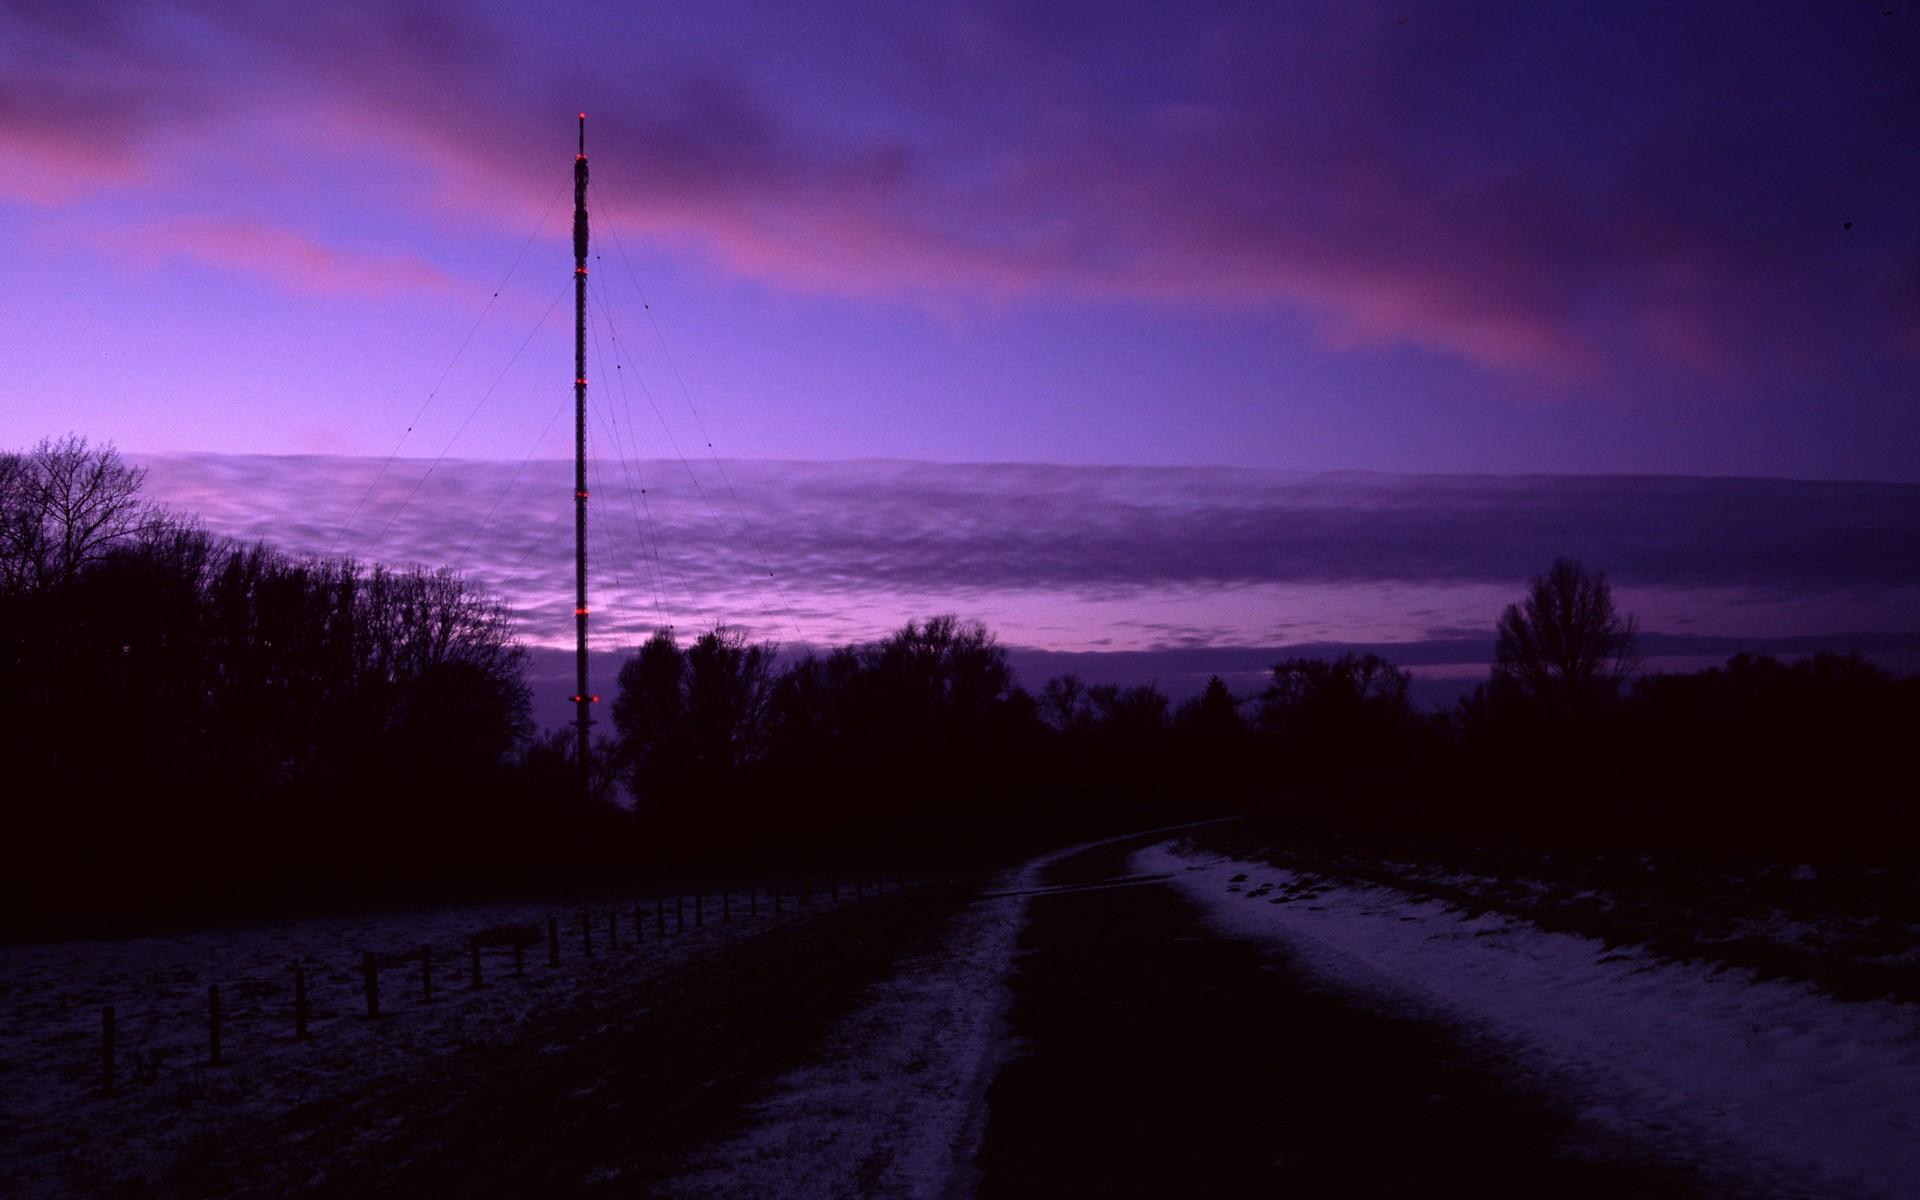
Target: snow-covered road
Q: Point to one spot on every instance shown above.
(1813, 1093)
(893, 1103)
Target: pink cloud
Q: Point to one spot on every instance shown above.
(1333, 189)
(1161, 212)
(288, 258)
(83, 93)
(1105, 227)
(59, 142)
(1683, 334)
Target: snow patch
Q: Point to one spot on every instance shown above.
(1826, 1088)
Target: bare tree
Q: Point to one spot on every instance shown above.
(1565, 647)
(729, 682)
(22, 533)
(694, 717)
(63, 506)
(650, 715)
(1064, 704)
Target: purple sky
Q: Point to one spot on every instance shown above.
(1420, 238)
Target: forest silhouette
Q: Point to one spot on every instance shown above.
(188, 722)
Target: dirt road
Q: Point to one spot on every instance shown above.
(1159, 1059)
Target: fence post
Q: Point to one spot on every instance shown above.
(213, 1024)
(473, 945)
(106, 1048)
(299, 1001)
(586, 930)
(426, 974)
(553, 941)
(372, 972)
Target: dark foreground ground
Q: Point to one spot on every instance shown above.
(1160, 1060)
(601, 1099)
(1152, 1057)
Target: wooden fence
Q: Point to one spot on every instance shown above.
(516, 939)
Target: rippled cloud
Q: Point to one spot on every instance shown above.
(801, 544)
(1120, 574)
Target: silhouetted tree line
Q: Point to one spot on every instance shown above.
(918, 744)
(924, 739)
(179, 711)
(1569, 746)
(183, 716)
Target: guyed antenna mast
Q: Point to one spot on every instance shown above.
(582, 699)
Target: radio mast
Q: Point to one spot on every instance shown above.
(582, 700)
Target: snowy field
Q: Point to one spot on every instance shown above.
(63, 1135)
(1818, 1095)
(1851, 929)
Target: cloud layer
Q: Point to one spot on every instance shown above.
(796, 547)
(1120, 574)
(1560, 194)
